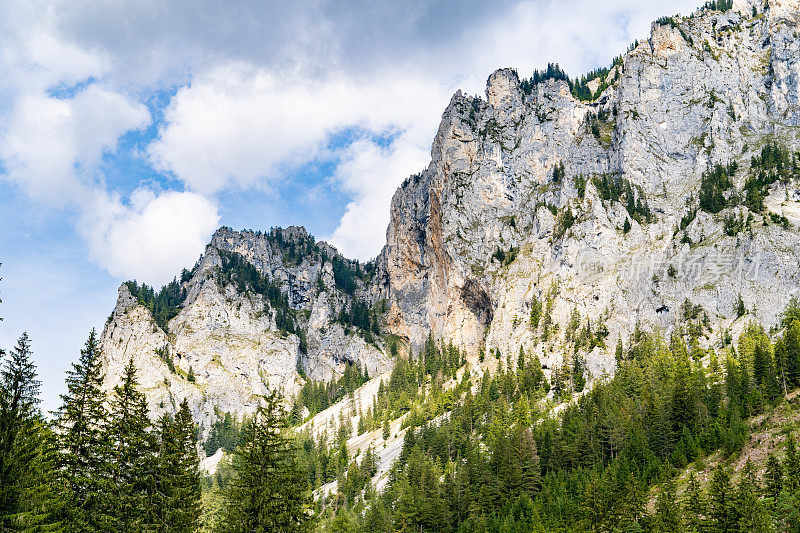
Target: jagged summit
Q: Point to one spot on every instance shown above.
(555, 215)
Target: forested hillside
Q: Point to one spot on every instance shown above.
(585, 317)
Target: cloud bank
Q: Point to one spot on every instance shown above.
(240, 96)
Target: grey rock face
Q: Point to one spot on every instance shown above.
(488, 244)
(227, 335)
(713, 88)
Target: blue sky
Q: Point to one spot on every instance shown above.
(130, 131)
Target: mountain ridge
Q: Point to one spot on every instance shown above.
(543, 222)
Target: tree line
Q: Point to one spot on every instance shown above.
(497, 461)
(100, 464)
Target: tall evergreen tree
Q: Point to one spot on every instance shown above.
(19, 395)
(722, 502)
(83, 444)
(694, 506)
(177, 504)
(28, 484)
(269, 492)
(773, 478)
(667, 517)
(132, 455)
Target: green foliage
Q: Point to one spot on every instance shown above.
(688, 218)
(740, 308)
(177, 480)
(224, 434)
(115, 472)
(579, 87)
(713, 185)
(132, 454)
(27, 498)
(780, 219)
(294, 247)
(559, 172)
(164, 305)
(719, 5)
(775, 163)
(238, 271)
(345, 274)
(536, 312)
(580, 186)
(733, 223)
(85, 457)
(564, 222)
(505, 258)
(269, 491)
(358, 314)
(615, 188)
(317, 396)
(552, 72)
(497, 461)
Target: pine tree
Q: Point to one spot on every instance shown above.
(791, 341)
(750, 511)
(773, 477)
(82, 441)
(133, 455)
(526, 461)
(270, 492)
(667, 518)
(722, 511)
(694, 506)
(19, 395)
(28, 479)
(177, 476)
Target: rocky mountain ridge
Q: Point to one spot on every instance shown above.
(544, 222)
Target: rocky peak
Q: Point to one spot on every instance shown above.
(542, 213)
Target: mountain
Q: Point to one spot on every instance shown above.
(257, 312)
(556, 216)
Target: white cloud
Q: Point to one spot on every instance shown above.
(261, 103)
(51, 147)
(154, 237)
(49, 144)
(372, 173)
(243, 125)
(237, 126)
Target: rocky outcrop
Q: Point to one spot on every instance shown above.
(539, 215)
(227, 335)
(710, 88)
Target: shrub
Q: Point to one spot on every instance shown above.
(713, 185)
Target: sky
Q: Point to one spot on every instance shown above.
(130, 131)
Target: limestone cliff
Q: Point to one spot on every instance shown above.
(514, 207)
(540, 214)
(232, 338)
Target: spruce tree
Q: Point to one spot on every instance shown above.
(667, 517)
(722, 502)
(694, 505)
(132, 453)
(751, 514)
(28, 480)
(269, 492)
(83, 444)
(773, 478)
(177, 503)
(19, 395)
